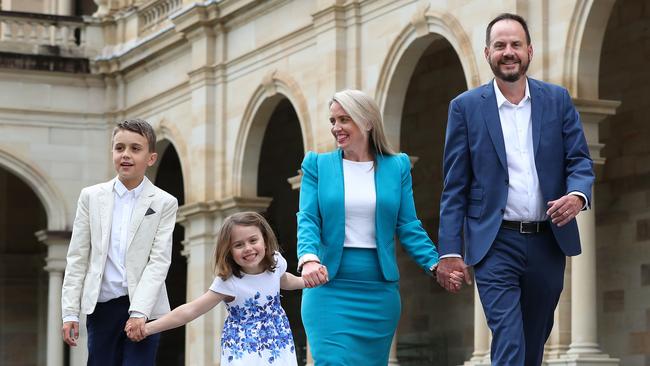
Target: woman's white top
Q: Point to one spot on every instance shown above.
(360, 202)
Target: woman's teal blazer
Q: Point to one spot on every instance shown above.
(321, 219)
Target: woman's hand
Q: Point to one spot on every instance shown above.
(314, 274)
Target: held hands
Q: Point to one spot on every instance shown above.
(564, 209)
(314, 274)
(70, 332)
(451, 272)
(135, 329)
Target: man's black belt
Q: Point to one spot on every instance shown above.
(526, 227)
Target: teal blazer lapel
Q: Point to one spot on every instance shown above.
(338, 182)
(383, 175)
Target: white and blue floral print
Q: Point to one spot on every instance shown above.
(256, 331)
(256, 328)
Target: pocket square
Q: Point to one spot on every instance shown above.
(149, 212)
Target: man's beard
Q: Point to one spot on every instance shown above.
(512, 77)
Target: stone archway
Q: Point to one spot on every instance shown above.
(422, 335)
(584, 44)
(23, 282)
(404, 54)
(169, 177)
(281, 154)
(623, 185)
(276, 87)
(51, 198)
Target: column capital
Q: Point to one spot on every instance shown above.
(57, 242)
(592, 113)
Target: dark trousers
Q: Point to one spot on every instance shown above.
(108, 344)
(519, 282)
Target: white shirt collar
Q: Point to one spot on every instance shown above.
(501, 99)
(121, 189)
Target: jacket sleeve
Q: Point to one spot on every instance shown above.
(457, 179)
(578, 164)
(153, 277)
(410, 231)
(77, 259)
(309, 218)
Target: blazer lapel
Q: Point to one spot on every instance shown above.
(106, 200)
(537, 112)
(493, 122)
(141, 206)
(339, 185)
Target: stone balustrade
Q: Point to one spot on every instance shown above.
(155, 14)
(33, 33)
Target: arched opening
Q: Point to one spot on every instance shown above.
(169, 177)
(280, 156)
(23, 282)
(622, 194)
(424, 337)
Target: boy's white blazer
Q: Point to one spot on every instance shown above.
(148, 254)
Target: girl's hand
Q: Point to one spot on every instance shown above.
(314, 274)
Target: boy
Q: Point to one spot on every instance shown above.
(119, 254)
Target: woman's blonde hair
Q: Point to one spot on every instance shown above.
(365, 112)
(224, 264)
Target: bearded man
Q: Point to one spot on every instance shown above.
(517, 172)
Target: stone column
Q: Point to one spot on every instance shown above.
(57, 247)
(560, 337)
(584, 348)
(64, 7)
(79, 354)
(481, 354)
(202, 221)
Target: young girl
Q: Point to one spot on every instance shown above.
(250, 272)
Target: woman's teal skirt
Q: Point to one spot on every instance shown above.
(351, 320)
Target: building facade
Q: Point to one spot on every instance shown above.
(237, 91)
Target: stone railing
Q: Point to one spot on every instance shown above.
(155, 14)
(33, 33)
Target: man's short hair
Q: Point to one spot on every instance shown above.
(141, 127)
(506, 16)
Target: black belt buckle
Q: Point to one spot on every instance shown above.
(534, 229)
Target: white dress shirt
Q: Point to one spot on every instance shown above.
(525, 201)
(114, 283)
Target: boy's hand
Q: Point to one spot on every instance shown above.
(134, 329)
(70, 332)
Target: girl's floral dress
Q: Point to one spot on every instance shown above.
(256, 331)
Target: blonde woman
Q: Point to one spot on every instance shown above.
(353, 201)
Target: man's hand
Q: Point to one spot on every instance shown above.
(564, 209)
(451, 272)
(314, 274)
(134, 329)
(70, 331)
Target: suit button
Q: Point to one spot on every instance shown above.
(507, 182)
(503, 210)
